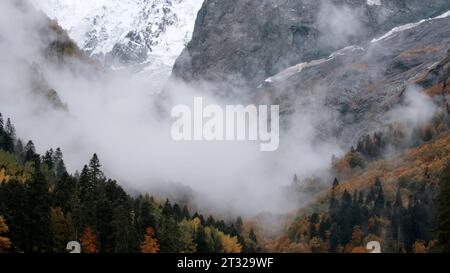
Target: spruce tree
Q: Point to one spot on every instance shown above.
(7, 136)
(47, 159)
(177, 213)
(443, 210)
(239, 224)
(60, 167)
(39, 210)
(94, 169)
(252, 236)
(167, 209)
(14, 206)
(30, 151)
(185, 212)
(121, 224)
(380, 199)
(335, 183)
(202, 244)
(146, 218)
(63, 191)
(10, 130)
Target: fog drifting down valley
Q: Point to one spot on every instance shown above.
(116, 114)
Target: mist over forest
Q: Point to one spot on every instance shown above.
(362, 90)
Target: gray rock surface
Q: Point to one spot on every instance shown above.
(360, 84)
(242, 42)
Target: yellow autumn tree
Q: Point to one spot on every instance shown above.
(230, 244)
(88, 241)
(150, 244)
(5, 243)
(62, 229)
(195, 224)
(357, 237)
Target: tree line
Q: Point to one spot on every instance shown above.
(410, 223)
(43, 207)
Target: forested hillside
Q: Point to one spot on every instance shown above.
(393, 187)
(43, 207)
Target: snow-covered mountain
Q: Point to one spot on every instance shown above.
(144, 34)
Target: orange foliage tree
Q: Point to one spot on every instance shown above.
(5, 243)
(88, 241)
(419, 247)
(150, 244)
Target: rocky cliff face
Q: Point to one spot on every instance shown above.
(360, 84)
(246, 41)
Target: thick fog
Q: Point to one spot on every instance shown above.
(338, 25)
(120, 116)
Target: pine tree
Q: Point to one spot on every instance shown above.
(186, 236)
(333, 206)
(177, 213)
(95, 168)
(346, 218)
(62, 230)
(167, 209)
(47, 159)
(313, 221)
(19, 151)
(121, 224)
(202, 244)
(324, 226)
(443, 210)
(295, 181)
(87, 186)
(7, 136)
(10, 130)
(13, 196)
(380, 200)
(252, 236)
(30, 151)
(146, 218)
(168, 234)
(60, 167)
(88, 196)
(335, 183)
(334, 238)
(64, 189)
(103, 217)
(185, 212)
(210, 221)
(39, 210)
(239, 224)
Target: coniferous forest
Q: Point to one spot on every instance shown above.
(43, 207)
(403, 203)
(194, 115)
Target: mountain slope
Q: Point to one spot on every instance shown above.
(361, 84)
(38, 43)
(243, 41)
(145, 33)
(387, 185)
